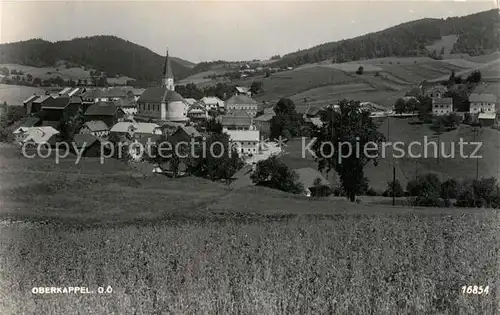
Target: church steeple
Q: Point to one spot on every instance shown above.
(168, 77)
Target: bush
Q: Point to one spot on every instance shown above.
(398, 189)
(372, 192)
(360, 70)
(449, 189)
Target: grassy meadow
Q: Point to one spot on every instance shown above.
(189, 246)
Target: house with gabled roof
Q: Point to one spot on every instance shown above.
(108, 112)
(89, 145)
(213, 103)
(41, 135)
(236, 120)
(482, 103)
(198, 112)
(28, 104)
(54, 109)
(97, 128)
(241, 90)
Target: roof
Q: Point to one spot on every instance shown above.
(124, 102)
(84, 140)
(75, 91)
(228, 120)
(167, 68)
(190, 130)
(243, 135)
(316, 121)
(269, 110)
(190, 100)
(96, 125)
(57, 103)
(264, 117)
(40, 134)
(53, 124)
(29, 121)
(159, 95)
(102, 109)
(438, 88)
(31, 98)
(487, 116)
(480, 97)
(92, 93)
(114, 93)
(313, 111)
(242, 89)
(442, 101)
(136, 92)
(65, 91)
(197, 108)
(125, 126)
(240, 99)
(42, 99)
(208, 100)
(308, 175)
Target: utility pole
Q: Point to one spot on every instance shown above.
(477, 160)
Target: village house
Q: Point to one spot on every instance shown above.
(236, 120)
(442, 106)
(190, 101)
(242, 102)
(107, 112)
(197, 112)
(213, 103)
(41, 135)
(97, 128)
(135, 94)
(263, 124)
(54, 109)
(163, 103)
(315, 185)
(482, 103)
(35, 104)
(23, 125)
(28, 104)
(246, 142)
(135, 130)
(487, 119)
(240, 90)
(437, 91)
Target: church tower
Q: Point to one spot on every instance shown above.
(168, 77)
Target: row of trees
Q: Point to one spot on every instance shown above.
(29, 80)
(429, 191)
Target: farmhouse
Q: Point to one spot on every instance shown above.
(97, 128)
(135, 130)
(442, 106)
(482, 103)
(28, 104)
(190, 101)
(241, 90)
(315, 185)
(236, 120)
(242, 102)
(37, 103)
(163, 103)
(186, 133)
(108, 112)
(245, 141)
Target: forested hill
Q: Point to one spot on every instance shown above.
(110, 54)
(477, 33)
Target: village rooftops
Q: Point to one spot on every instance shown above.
(84, 140)
(242, 89)
(57, 103)
(240, 99)
(159, 95)
(138, 127)
(42, 99)
(31, 98)
(190, 131)
(40, 135)
(264, 117)
(442, 101)
(243, 135)
(96, 125)
(190, 100)
(482, 98)
(102, 109)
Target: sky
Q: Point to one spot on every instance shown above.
(219, 30)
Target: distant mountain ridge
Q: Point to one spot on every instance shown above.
(110, 54)
(477, 33)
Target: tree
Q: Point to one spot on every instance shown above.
(442, 51)
(360, 70)
(449, 189)
(474, 77)
(286, 122)
(481, 193)
(412, 105)
(396, 187)
(348, 125)
(400, 106)
(256, 87)
(273, 173)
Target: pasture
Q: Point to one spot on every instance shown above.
(16, 94)
(407, 167)
(446, 43)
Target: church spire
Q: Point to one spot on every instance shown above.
(168, 76)
(167, 68)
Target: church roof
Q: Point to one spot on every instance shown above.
(167, 68)
(159, 94)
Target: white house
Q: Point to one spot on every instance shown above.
(245, 141)
(482, 103)
(40, 135)
(213, 102)
(242, 102)
(442, 106)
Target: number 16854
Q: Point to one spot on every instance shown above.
(474, 289)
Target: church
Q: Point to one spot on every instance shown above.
(163, 104)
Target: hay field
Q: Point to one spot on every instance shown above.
(16, 94)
